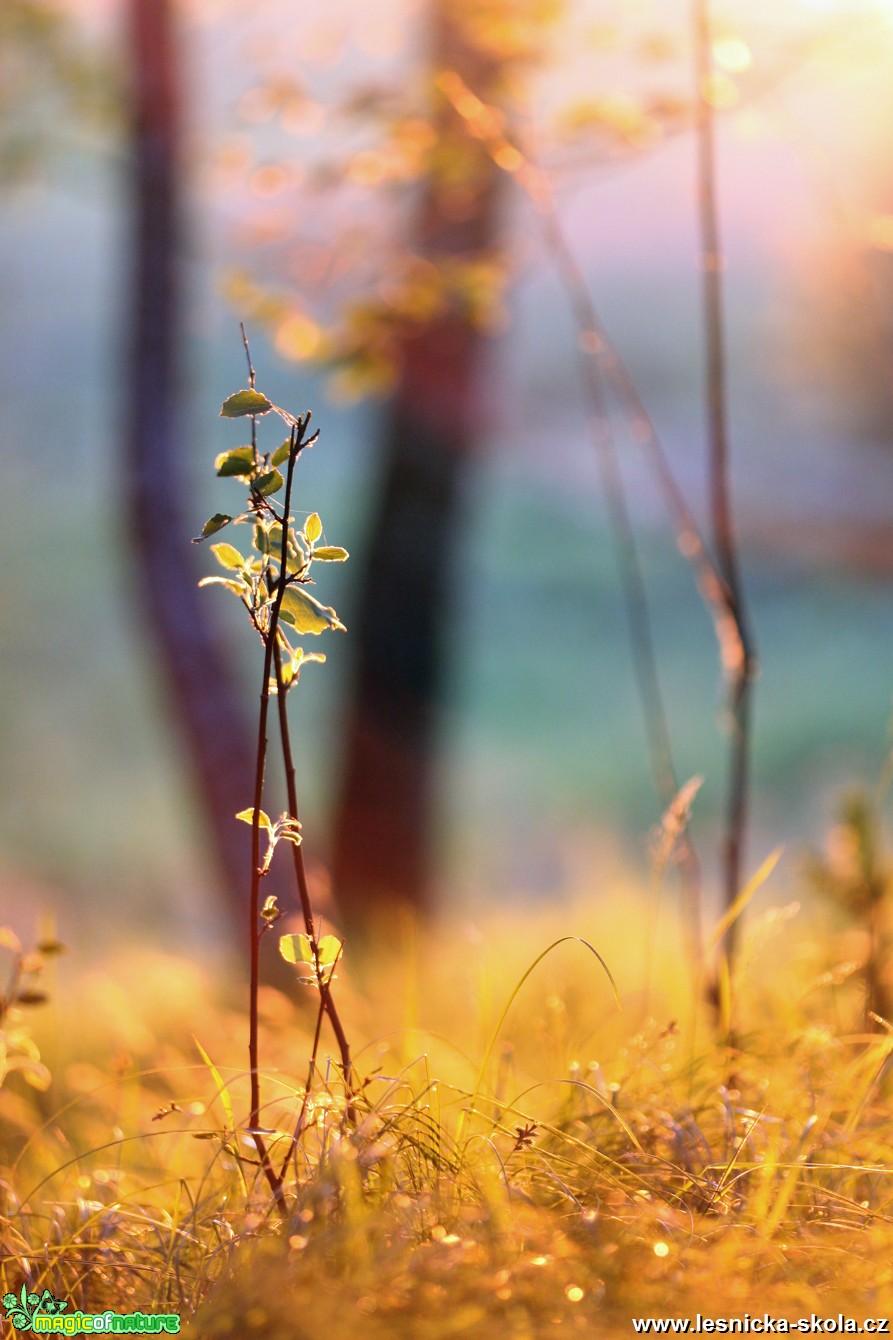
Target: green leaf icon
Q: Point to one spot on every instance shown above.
(329, 948)
(263, 820)
(228, 556)
(239, 461)
(212, 525)
(306, 614)
(331, 553)
(269, 483)
(245, 402)
(296, 948)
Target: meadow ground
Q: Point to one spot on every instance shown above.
(530, 1154)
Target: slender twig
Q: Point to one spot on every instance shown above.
(273, 663)
(598, 364)
(739, 667)
(717, 578)
(252, 377)
(256, 872)
(254, 911)
(590, 345)
(301, 880)
(305, 1101)
(254, 946)
(262, 590)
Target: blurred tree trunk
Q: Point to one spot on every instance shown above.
(383, 830)
(203, 697)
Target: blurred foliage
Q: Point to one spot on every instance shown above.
(22, 991)
(53, 82)
(855, 873)
(854, 870)
(411, 138)
(348, 300)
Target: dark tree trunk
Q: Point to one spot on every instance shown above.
(202, 694)
(383, 831)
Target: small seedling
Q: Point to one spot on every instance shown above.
(271, 581)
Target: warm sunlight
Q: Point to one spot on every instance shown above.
(446, 862)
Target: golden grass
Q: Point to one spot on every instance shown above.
(574, 1167)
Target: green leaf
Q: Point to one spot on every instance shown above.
(239, 461)
(269, 483)
(313, 527)
(296, 948)
(331, 553)
(228, 557)
(212, 525)
(268, 538)
(247, 817)
(238, 587)
(292, 666)
(306, 614)
(245, 402)
(281, 453)
(329, 949)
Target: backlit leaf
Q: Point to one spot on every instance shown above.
(281, 453)
(239, 461)
(313, 527)
(245, 402)
(306, 614)
(269, 483)
(247, 817)
(331, 553)
(212, 525)
(227, 556)
(329, 948)
(268, 539)
(296, 948)
(238, 587)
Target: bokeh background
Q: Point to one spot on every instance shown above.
(542, 769)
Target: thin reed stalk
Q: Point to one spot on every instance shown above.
(738, 659)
